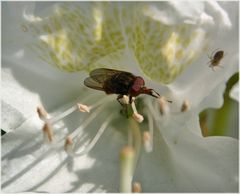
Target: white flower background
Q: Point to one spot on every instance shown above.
(48, 48)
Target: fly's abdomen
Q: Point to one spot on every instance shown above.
(119, 83)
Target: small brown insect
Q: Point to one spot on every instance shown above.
(216, 58)
(113, 81)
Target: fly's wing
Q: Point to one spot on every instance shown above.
(102, 74)
(99, 77)
(91, 83)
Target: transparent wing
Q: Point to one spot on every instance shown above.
(91, 83)
(102, 74)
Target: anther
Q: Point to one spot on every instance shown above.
(137, 188)
(68, 147)
(147, 141)
(164, 108)
(83, 108)
(137, 117)
(47, 131)
(80, 107)
(125, 99)
(42, 113)
(185, 106)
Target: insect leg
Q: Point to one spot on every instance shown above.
(130, 99)
(209, 62)
(118, 99)
(210, 57)
(214, 51)
(154, 95)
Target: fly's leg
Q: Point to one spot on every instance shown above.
(125, 107)
(118, 99)
(130, 99)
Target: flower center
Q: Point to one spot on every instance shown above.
(152, 108)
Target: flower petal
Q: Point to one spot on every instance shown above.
(44, 168)
(199, 80)
(234, 92)
(187, 162)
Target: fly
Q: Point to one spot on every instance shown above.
(113, 81)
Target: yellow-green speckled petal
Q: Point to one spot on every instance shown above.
(84, 36)
(77, 35)
(163, 51)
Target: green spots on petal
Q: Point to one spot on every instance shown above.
(84, 36)
(162, 51)
(78, 36)
(97, 14)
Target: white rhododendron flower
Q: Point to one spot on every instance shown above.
(234, 93)
(84, 141)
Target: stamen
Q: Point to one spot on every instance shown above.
(154, 113)
(134, 107)
(125, 99)
(83, 108)
(47, 132)
(42, 113)
(126, 169)
(79, 106)
(97, 136)
(94, 114)
(164, 108)
(136, 116)
(147, 141)
(136, 140)
(99, 102)
(63, 114)
(68, 147)
(148, 136)
(137, 188)
(185, 106)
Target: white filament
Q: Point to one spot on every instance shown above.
(102, 128)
